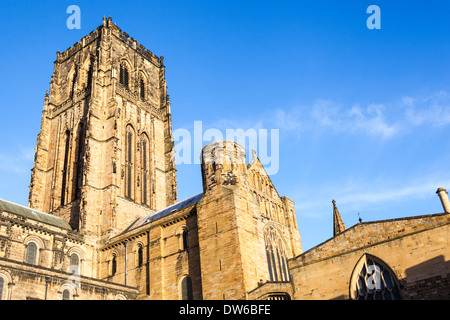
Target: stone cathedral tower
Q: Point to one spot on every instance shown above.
(104, 154)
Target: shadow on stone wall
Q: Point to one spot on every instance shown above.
(429, 280)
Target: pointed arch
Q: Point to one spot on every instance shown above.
(373, 279)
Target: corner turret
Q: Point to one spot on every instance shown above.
(223, 163)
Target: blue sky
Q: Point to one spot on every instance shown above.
(363, 115)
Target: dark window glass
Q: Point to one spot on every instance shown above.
(185, 239)
(64, 173)
(142, 89)
(66, 295)
(129, 164)
(31, 253)
(186, 289)
(140, 256)
(113, 265)
(375, 282)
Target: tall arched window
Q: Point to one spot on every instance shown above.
(140, 256)
(184, 240)
(276, 256)
(123, 77)
(74, 83)
(142, 88)
(79, 161)
(145, 164)
(113, 265)
(129, 163)
(65, 168)
(186, 288)
(89, 74)
(372, 279)
(31, 253)
(74, 264)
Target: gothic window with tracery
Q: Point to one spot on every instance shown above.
(374, 280)
(276, 256)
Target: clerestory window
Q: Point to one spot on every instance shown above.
(31, 253)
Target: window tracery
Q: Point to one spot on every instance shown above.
(276, 256)
(373, 280)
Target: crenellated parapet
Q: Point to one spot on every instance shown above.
(93, 35)
(115, 31)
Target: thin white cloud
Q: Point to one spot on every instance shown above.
(362, 195)
(380, 121)
(20, 162)
(335, 118)
(402, 193)
(432, 110)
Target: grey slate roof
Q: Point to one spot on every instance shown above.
(164, 212)
(33, 214)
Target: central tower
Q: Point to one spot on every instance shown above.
(104, 153)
